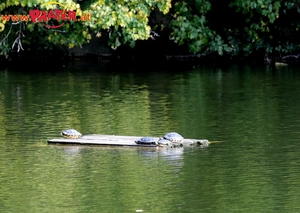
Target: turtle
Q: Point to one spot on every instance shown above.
(147, 141)
(71, 133)
(203, 142)
(164, 142)
(173, 137)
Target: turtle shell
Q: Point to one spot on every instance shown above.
(71, 133)
(173, 137)
(147, 140)
(164, 142)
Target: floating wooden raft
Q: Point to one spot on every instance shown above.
(114, 140)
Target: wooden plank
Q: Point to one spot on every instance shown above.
(111, 140)
(115, 140)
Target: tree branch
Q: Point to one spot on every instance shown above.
(18, 40)
(290, 56)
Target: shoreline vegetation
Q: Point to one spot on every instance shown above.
(44, 62)
(206, 31)
(144, 52)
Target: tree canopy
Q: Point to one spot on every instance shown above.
(232, 27)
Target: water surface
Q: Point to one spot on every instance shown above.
(254, 111)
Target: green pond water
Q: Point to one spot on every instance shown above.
(254, 111)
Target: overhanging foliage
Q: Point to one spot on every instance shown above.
(240, 27)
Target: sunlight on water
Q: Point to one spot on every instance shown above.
(253, 111)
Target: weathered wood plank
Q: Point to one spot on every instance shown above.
(116, 140)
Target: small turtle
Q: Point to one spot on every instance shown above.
(203, 142)
(147, 141)
(71, 133)
(164, 142)
(173, 137)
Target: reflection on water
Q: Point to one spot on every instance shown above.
(255, 112)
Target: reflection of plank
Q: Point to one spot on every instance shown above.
(115, 140)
